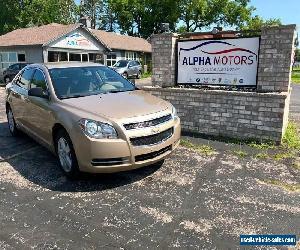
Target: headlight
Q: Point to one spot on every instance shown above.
(174, 112)
(98, 130)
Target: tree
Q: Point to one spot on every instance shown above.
(9, 12)
(198, 14)
(93, 9)
(143, 17)
(297, 55)
(108, 20)
(257, 23)
(25, 13)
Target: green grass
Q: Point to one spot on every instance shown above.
(296, 76)
(287, 186)
(262, 145)
(291, 139)
(202, 149)
(296, 165)
(146, 75)
(262, 156)
(284, 155)
(240, 153)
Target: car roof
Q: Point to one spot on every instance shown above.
(66, 65)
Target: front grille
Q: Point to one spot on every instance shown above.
(150, 123)
(152, 155)
(152, 139)
(109, 161)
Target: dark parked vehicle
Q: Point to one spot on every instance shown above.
(12, 71)
(128, 68)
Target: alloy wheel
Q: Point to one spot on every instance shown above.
(11, 121)
(7, 80)
(64, 154)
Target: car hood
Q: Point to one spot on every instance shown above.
(118, 105)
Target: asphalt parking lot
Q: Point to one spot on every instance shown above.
(194, 201)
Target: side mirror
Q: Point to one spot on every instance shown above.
(38, 92)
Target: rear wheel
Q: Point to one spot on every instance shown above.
(6, 79)
(125, 75)
(66, 154)
(11, 122)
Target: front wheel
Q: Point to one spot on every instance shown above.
(66, 154)
(139, 75)
(11, 122)
(125, 75)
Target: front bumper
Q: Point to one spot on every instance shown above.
(115, 155)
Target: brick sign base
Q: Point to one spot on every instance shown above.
(260, 115)
(242, 115)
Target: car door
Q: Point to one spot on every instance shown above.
(19, 96)
(131, 68)
(136, 67)
(41, 116)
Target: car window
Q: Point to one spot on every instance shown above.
(25, 78)
(131, 64)
(83, 81)
(14, 67)
(121, 64)
(22, 66)
(38, 80)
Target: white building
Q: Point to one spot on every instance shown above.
(58, 42)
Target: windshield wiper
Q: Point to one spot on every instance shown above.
(71, 96)
(78, 95)
(118, 91)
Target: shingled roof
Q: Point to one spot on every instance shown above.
(45, 34)
(122, 42)
(36, 35)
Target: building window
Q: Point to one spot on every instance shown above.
(85, 58)
(131, 56)
(21, 58)
(97, 58)
(9, 58)
(74, 57)
(52, 56)
(111, 59)
(63, 56)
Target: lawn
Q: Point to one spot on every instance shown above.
(296, 75)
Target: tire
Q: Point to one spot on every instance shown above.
(6, 80)
(12, 126)
(139, 75)
(66, 154)
(125, 75)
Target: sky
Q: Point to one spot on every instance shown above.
(287, 10)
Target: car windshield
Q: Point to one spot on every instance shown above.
(121, 64)
(84, 81)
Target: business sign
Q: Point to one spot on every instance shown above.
(218, 62)
(76, 40)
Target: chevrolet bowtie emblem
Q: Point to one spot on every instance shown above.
(155, 130)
